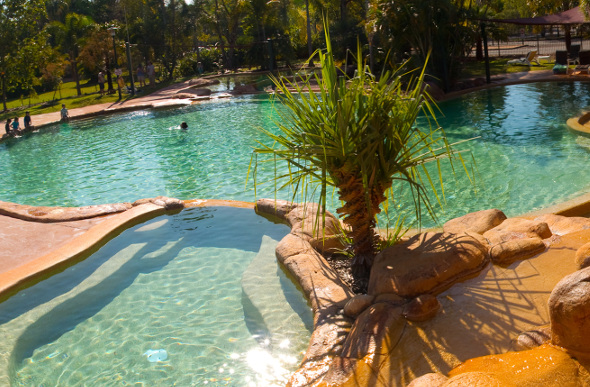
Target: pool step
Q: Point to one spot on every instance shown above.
(269, 299)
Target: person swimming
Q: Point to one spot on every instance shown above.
(184, 126)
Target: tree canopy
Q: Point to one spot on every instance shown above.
(222, 35)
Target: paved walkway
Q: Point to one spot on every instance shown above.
(22, 241)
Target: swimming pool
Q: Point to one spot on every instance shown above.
(194, 298)
(526, 157)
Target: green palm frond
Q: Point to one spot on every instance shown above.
(361, 129)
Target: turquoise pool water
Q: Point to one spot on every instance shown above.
(526, 157)
(202, 285)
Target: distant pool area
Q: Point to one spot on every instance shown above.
(526, 158)
(193, 298)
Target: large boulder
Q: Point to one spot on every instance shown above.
(426, 263)
(505, 253)
(517, 228)
(479, 222)
(569, 308)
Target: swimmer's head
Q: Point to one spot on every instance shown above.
(184, 125)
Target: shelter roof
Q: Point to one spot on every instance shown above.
(570, 17)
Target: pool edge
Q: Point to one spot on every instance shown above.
(119, 217)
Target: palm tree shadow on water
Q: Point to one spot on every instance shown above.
(191, 228)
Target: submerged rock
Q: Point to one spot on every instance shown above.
(426, 263)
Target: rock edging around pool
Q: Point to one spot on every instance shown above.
(367, 340)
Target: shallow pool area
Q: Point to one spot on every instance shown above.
(526, 158)
(194, 298)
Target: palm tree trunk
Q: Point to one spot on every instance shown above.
(75, 72)
(4, 93)
(359, 214)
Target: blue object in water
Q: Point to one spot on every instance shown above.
(156, 355)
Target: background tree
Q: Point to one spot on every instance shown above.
(444, 29)
(19, 21)
(97, 52)
(70, 36)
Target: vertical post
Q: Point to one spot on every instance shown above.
(538, 47)
(116, 62)
(485, 50)
(130, 65)
(270, 56)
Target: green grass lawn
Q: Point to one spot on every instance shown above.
(476, 69)
(51, 101)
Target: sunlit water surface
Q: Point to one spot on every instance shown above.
(525, 157)
(195, 298)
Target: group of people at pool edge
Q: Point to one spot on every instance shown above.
(13, 128)
(150, 71)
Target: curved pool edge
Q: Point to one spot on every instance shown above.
(74, 250)
(110, 220)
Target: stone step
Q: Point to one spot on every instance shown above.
(273, 306)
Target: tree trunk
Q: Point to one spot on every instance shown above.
(359, 215)
(309, 48)
(4, 93)
(75, 72)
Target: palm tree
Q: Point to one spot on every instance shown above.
(69, 36)
(357, 135)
